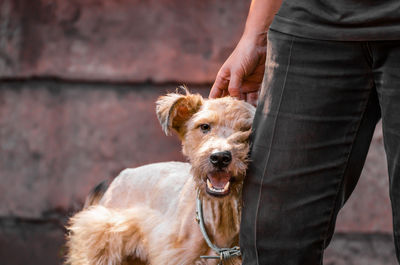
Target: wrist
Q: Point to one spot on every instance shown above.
(257, 37)
(259, 19)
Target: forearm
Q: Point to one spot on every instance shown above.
(260, 17)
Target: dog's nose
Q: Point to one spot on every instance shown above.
(221, 159)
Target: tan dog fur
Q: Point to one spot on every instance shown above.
(147, 215)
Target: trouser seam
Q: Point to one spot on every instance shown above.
(269, 152)
(370, 56)
(342, 178)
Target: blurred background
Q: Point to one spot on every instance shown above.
(79, 79)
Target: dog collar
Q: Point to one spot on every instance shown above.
(223, 253)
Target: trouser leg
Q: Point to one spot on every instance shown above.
(386, 69)
(317, 112)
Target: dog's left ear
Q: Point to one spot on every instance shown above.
(174, 110)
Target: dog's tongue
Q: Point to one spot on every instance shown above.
(219, 179)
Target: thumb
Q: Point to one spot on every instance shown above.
(220, 85)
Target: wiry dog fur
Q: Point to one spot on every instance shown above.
(147, 215)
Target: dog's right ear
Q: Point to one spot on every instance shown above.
(173, 110)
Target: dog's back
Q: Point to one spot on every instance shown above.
(156, 185)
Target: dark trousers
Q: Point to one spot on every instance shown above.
(318, 107)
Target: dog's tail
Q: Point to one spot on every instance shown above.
(96, 194)
(102, 236)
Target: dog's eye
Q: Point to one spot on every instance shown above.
(205, 128)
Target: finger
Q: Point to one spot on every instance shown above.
(252, 98)
(220, 85)
(250, 87)
(234, 86)
(225, 93)
(243, 96)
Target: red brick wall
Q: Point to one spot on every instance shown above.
(125, 40)
(78, 85)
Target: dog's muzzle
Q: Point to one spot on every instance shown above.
(218, 181)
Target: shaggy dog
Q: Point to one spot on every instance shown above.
(147, 215)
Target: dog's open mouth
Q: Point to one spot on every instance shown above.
(218, 183)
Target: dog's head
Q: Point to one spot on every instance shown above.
(215, 138)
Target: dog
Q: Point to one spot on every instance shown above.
(147, 214)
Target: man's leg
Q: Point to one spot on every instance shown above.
(386, 69)
(317, 112)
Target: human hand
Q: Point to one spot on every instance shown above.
(242, 73)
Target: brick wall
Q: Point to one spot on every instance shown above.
(78, 85)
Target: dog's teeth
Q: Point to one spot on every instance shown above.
(226, 187)
(211, 187)
(209, 184)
